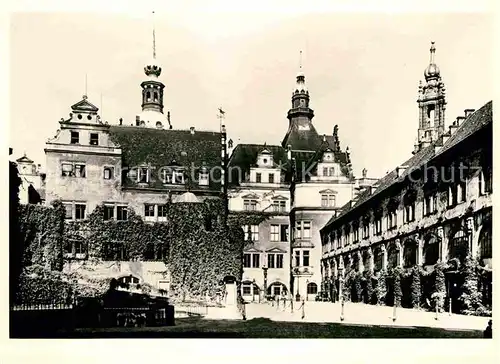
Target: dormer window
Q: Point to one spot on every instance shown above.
(327, 200)
(143, 175)
(249, 205)
(271, 177)
(203, 178)
(75, 137)
(258, 177)
(279, 206)
(178, 177)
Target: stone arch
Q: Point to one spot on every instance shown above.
(458, 244)
(312, 288)
(378, 258)
(277, 288)
(410, 253)
(432, 246)
(392, 255)
(484, 244)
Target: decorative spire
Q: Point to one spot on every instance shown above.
(153, 69)
(154, 37)
(432, 71)
(301, 78)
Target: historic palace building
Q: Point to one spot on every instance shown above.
(436, 207)
(137, 166)
(299, 184)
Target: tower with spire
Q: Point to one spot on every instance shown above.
(431, 104)
(152, 94)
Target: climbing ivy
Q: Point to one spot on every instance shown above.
(381, 288)
(16, 243)
(41, 231)
(357, 287)
(471, 297)
(396, 274)
(439, 286)
(368, 296)
(416, 287)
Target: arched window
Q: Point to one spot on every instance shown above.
(392, 259)
(485, 242)
(128, 279)
(156, 96)
(312, 288)
(410, 253)
(459, 245)
(148, 96)
(378, 257)
(431, 250)
(276, 289)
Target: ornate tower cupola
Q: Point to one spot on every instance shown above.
(432, 104)
(300, 110)
(152, 94)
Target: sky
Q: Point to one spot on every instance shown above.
(362, 71)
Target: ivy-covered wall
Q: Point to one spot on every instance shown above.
(41, 231)
(16, 244)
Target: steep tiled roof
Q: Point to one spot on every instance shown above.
(161, 148)
(302, 139)
(244, 156)
(472, 124)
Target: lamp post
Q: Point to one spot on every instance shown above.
(253, 293)
(264, 270)
(307, 293)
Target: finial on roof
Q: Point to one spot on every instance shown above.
(364, 172)
(154, 37)
(300, 60)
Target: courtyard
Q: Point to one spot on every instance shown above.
(196, 327)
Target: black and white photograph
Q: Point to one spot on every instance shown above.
(226, 175)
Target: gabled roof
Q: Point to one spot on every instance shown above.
(167, 147)
(251, 196)
(84, 106)
(24, 159)
(244, 157)
(471, 125)
(279, 197)
(275, 250)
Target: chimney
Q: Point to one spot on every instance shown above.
(468, 112)
(137, 120)
(460, 120)
(121, 121)
(192, 129)
(453, 127)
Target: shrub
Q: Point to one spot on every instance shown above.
(381, 289)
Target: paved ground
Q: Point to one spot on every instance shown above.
(359, 313)
(195, 327)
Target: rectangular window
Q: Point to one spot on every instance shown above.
(79, 211)
(109, 173)
(255, 232)
(80, 170)
(297, 258)
(452, 195)
(430, 204)
(258, 178)
(247, 260)
(355, 233)
(249, 205)
(68, 170)
(306, 233)
(409, 213)
(325, 171)
(271, 177)
(270, 261)
(462, 191)
(68, 208)
(284, 233)
(149, 210)
(327, 200)
(378, 226)
(275, 232)
(255, 260)
(203, 180)
(279, 261)
(305, 258)
(279, 206)
(178, 177)
(391, 220)
(162, 210)
(75, 137)
(247, 289)
(121, 213)
(94, 139)
(109, 212)
(332, 171)
(143, 175)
